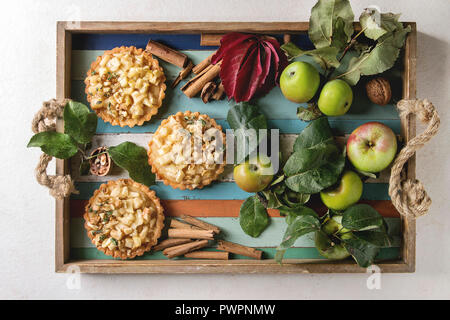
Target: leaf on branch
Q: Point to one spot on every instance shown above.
(381, 58)
(331, 23)
(79, 122)
(310, 113)
(55, 144)
(376, 24)
(253, 217)
(325, 57)
(362, 251)
(134, 159)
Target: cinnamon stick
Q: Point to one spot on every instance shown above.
(202, 65)
(239, 249)
(210, 39)
(183, 74)
(200, 223)
(286, 38)
(170, 243)
(167, 54)
(191, 234)
(184, 248)
(212, 255)
(196, 84)
(181, 225)
(208, 91)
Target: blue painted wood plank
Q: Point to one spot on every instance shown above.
(218, 191)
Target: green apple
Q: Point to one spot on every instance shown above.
(347, 193)
(372, 147)
(299, 82)
(333, 225)
(328, 248)
(335, 98)
(254, 175)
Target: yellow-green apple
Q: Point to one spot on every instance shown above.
(299, 82)
(328, 248)
(254, 175)
(372, 147)
(347, 193)
(335, 98)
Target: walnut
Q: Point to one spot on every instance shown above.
(379, 91)
(100, 162)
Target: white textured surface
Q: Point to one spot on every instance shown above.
(27, 227)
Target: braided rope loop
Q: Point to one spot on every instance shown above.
(409, 196)
(45, 120)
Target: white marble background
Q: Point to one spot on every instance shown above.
(27, 68)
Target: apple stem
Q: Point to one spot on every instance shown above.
(351, 44)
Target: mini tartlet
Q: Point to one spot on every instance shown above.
(125, 86)
(124, 219)
(187, 168)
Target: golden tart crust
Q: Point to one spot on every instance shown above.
(165, 149)
(124, 218)
(125, 86)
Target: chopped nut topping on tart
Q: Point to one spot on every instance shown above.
(187, 150)
(124, 219)
(125, 86)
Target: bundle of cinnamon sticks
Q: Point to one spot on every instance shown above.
(206, 82)
(187, 236)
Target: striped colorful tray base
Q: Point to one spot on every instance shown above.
(219, 203)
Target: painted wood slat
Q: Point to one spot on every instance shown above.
(217, 191)
(286, 145)
(273, 105)
(230, 208)
(269, 253)
(231, 231)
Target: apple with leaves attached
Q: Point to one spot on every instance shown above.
(372, 147)
(254, 175)
(299, 82)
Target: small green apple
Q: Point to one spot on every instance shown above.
(372, 147)
(335, 98)
(328, 248)
(346, 194)
(254, 175)
(299, 82)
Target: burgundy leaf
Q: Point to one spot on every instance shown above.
(248, 76)
(228, 42)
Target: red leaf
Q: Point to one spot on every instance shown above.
(248, 76)
(282, 61)
(228, 42)
(233, 59)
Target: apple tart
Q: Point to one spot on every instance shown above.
(125, 86)
(124, 219)
(187, 150)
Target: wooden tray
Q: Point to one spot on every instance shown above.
(79, 43)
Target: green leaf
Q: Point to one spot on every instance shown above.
(272, 199)
(312, 170)
(292, 213)
(310, 113)
(325, 57)
(368, 174)
(376, 237)
(361, 217)
(79, 122)
(316, 135)
(377, 24)
(242, 117)
(253, 217)
(300, 225)
(295, 199)
(134, 159)
(84, 168)
(331, 23)
(381, 58)
(362, 251)
(291, 50)
(55, 144)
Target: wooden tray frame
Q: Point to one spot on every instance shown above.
(62, 245)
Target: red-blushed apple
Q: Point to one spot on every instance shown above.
(253, 175)
(371, 147)
(347, 193)
(299, 82)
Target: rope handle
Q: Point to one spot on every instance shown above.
(45, 120)
(409, 196)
